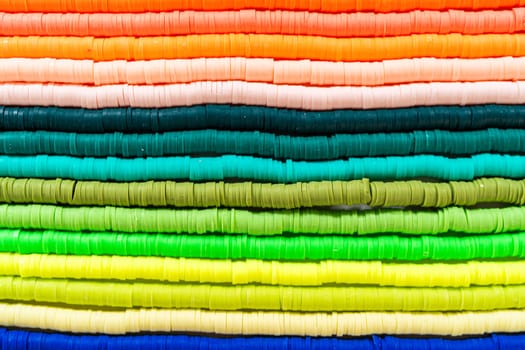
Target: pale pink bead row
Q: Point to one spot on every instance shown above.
(304, 72)
(286, 96)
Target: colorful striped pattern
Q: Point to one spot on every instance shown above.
(266, 174)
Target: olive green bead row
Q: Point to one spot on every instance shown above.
(263, 195)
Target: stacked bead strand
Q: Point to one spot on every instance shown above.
(303, 174)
